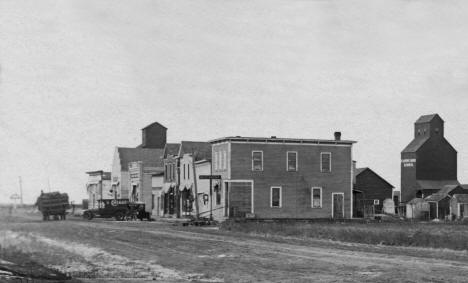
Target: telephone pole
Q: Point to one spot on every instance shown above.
(21, 190)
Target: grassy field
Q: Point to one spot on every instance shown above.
(433, 235)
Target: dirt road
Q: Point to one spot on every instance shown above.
(98, 250)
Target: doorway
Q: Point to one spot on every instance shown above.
(338, 205)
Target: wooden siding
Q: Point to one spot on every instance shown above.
(409, 185)
(373, 187)
(296, 185)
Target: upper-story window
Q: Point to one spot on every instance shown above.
(184, 171)
(224, 160)
(221, 160)
(257, 160)
(188, 171)
(325, 162)
(291, 159)
(215, 160)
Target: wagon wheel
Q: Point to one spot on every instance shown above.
(119, 216)
(88, 215)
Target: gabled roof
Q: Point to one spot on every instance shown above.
(435, 185)
(154, 124)
(428, 118)
(360, 170)
(415, 144)
(146, 155)
(447, 189)
(436, 197)
(171, 149)
(202, 150)
(415, 201)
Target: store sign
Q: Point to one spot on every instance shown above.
(410, 162)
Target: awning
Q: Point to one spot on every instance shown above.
(167, 186)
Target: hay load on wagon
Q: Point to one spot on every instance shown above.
(53, 204)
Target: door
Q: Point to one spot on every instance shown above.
(338, 205)
(432, 210)
(240, 199)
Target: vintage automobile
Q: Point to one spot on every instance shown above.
(120, 209)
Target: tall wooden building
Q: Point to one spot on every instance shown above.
(429, 162)
(283, 177)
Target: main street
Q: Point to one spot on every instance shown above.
(99, 251)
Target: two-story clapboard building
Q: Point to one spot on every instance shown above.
(284, 178)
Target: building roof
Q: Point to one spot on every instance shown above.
(436, 197)
(461, 198)
(447, 189)
(274, 140)
(415, 144)
(154, 124)
(360, 170)
(145, 155)
(171, 149)
(427, 118)
(435, 185)
(202, 150)
(415, 200)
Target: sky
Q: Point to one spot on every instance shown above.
(78, 78)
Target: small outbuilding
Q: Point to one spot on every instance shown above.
(370, 191)
(459, 206)
(417, 208)
(439, 203)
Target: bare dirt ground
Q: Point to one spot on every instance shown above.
(110, 251)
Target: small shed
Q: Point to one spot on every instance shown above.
(459, 206)
(417, 208)
(439, 203)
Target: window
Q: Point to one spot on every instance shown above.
(221, 161)
(184, 171)
(376, 202)
(316, 197)
(257, 160)
(325, 163)
(291, 157)
(275, 197)
(215, 161)
(225, 160)
(188, 171)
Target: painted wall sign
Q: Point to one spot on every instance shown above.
(408, 162)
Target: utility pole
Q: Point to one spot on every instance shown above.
(195, 186)
(21, 190)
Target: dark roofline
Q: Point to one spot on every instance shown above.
(280, 140)
(154, 123)
(195, 147)
(428, 118)
(367, 168)
(97, 172)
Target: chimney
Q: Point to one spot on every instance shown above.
(337, 136)
(273, 137)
